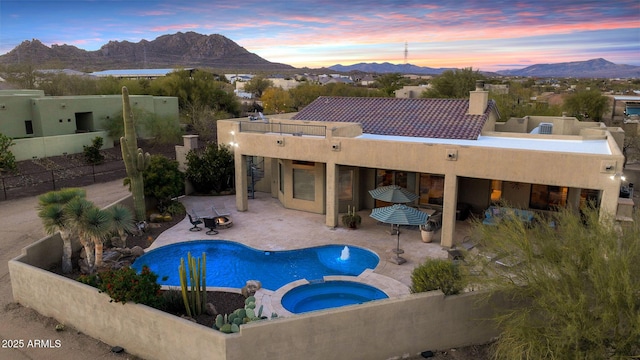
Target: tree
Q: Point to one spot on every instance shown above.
(389, 83)
(276, 101)
(577, 278)
(74, 218)
(163, 180)
(454, 84)
(122, 222)
(96, 225)
(586, 105)
(51, 209)
(7, 159)
(211, 170)
(257, 85)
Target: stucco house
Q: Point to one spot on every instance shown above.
(44, 126)
(454, 153)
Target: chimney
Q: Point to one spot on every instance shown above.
(478, 99)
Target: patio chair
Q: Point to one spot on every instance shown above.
(195, 222)
(211, 224)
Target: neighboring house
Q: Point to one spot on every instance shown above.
(411, 92)
(138, 73)
(453, 153)
(43, 126)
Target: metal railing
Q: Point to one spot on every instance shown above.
(281, 128)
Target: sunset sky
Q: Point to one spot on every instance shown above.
(484, 35)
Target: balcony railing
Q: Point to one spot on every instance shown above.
(280, 128)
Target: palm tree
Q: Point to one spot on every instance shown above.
(74, 212)
(96, 225)
(122, 222)
(51, 211)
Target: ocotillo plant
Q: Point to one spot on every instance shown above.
(134, 160)
(195, 298)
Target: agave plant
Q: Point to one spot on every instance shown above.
(51, 211)
(122, 222)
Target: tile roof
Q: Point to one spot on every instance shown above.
(428, 118)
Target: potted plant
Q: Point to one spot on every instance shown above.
(427, 231)
(351, 219)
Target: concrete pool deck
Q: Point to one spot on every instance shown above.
(267, 225)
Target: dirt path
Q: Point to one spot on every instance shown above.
(21, 329)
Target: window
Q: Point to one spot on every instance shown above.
(28, 125)
(431, 189)
(547, 197)
(304, 184)
(345, 185)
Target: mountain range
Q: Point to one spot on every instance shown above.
(215, 51)
(595, 68)
(184, 50)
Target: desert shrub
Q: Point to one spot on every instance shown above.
(7, 159)
(437, 274)
(125, 284)
(212, 170)
(92, 154)
(163, 180)
(175, 208)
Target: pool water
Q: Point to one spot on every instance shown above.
(329, 294)
(231, 264)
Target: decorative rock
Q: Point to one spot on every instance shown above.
(137, 251)
(117, 349)
(154, 218)
(251, 287)
(210, 309)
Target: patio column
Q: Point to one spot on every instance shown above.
(449, 210)
(242, 196)
(332, 205)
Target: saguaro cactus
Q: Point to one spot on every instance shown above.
(135, 161)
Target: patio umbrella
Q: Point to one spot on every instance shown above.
(393, 194)
(399, 214)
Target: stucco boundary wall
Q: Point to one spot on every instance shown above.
(377, 330)
(26, 149)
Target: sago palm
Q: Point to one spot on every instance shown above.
(122, 222)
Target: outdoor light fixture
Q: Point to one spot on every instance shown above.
(618, 176)
(233, 142)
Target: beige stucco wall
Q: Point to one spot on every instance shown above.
(514, 165)
(376, 330)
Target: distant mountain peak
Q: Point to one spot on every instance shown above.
(188, 49)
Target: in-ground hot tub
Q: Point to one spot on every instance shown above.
(329, 294)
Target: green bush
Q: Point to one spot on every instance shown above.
(125, 284)
(92, 154)
(212, 170)
(7, 159)
(437, 274)
(163, 180)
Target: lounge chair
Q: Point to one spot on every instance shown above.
(222, 212)
(195, 222)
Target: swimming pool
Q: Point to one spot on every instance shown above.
(231, 264)
(329, 294)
